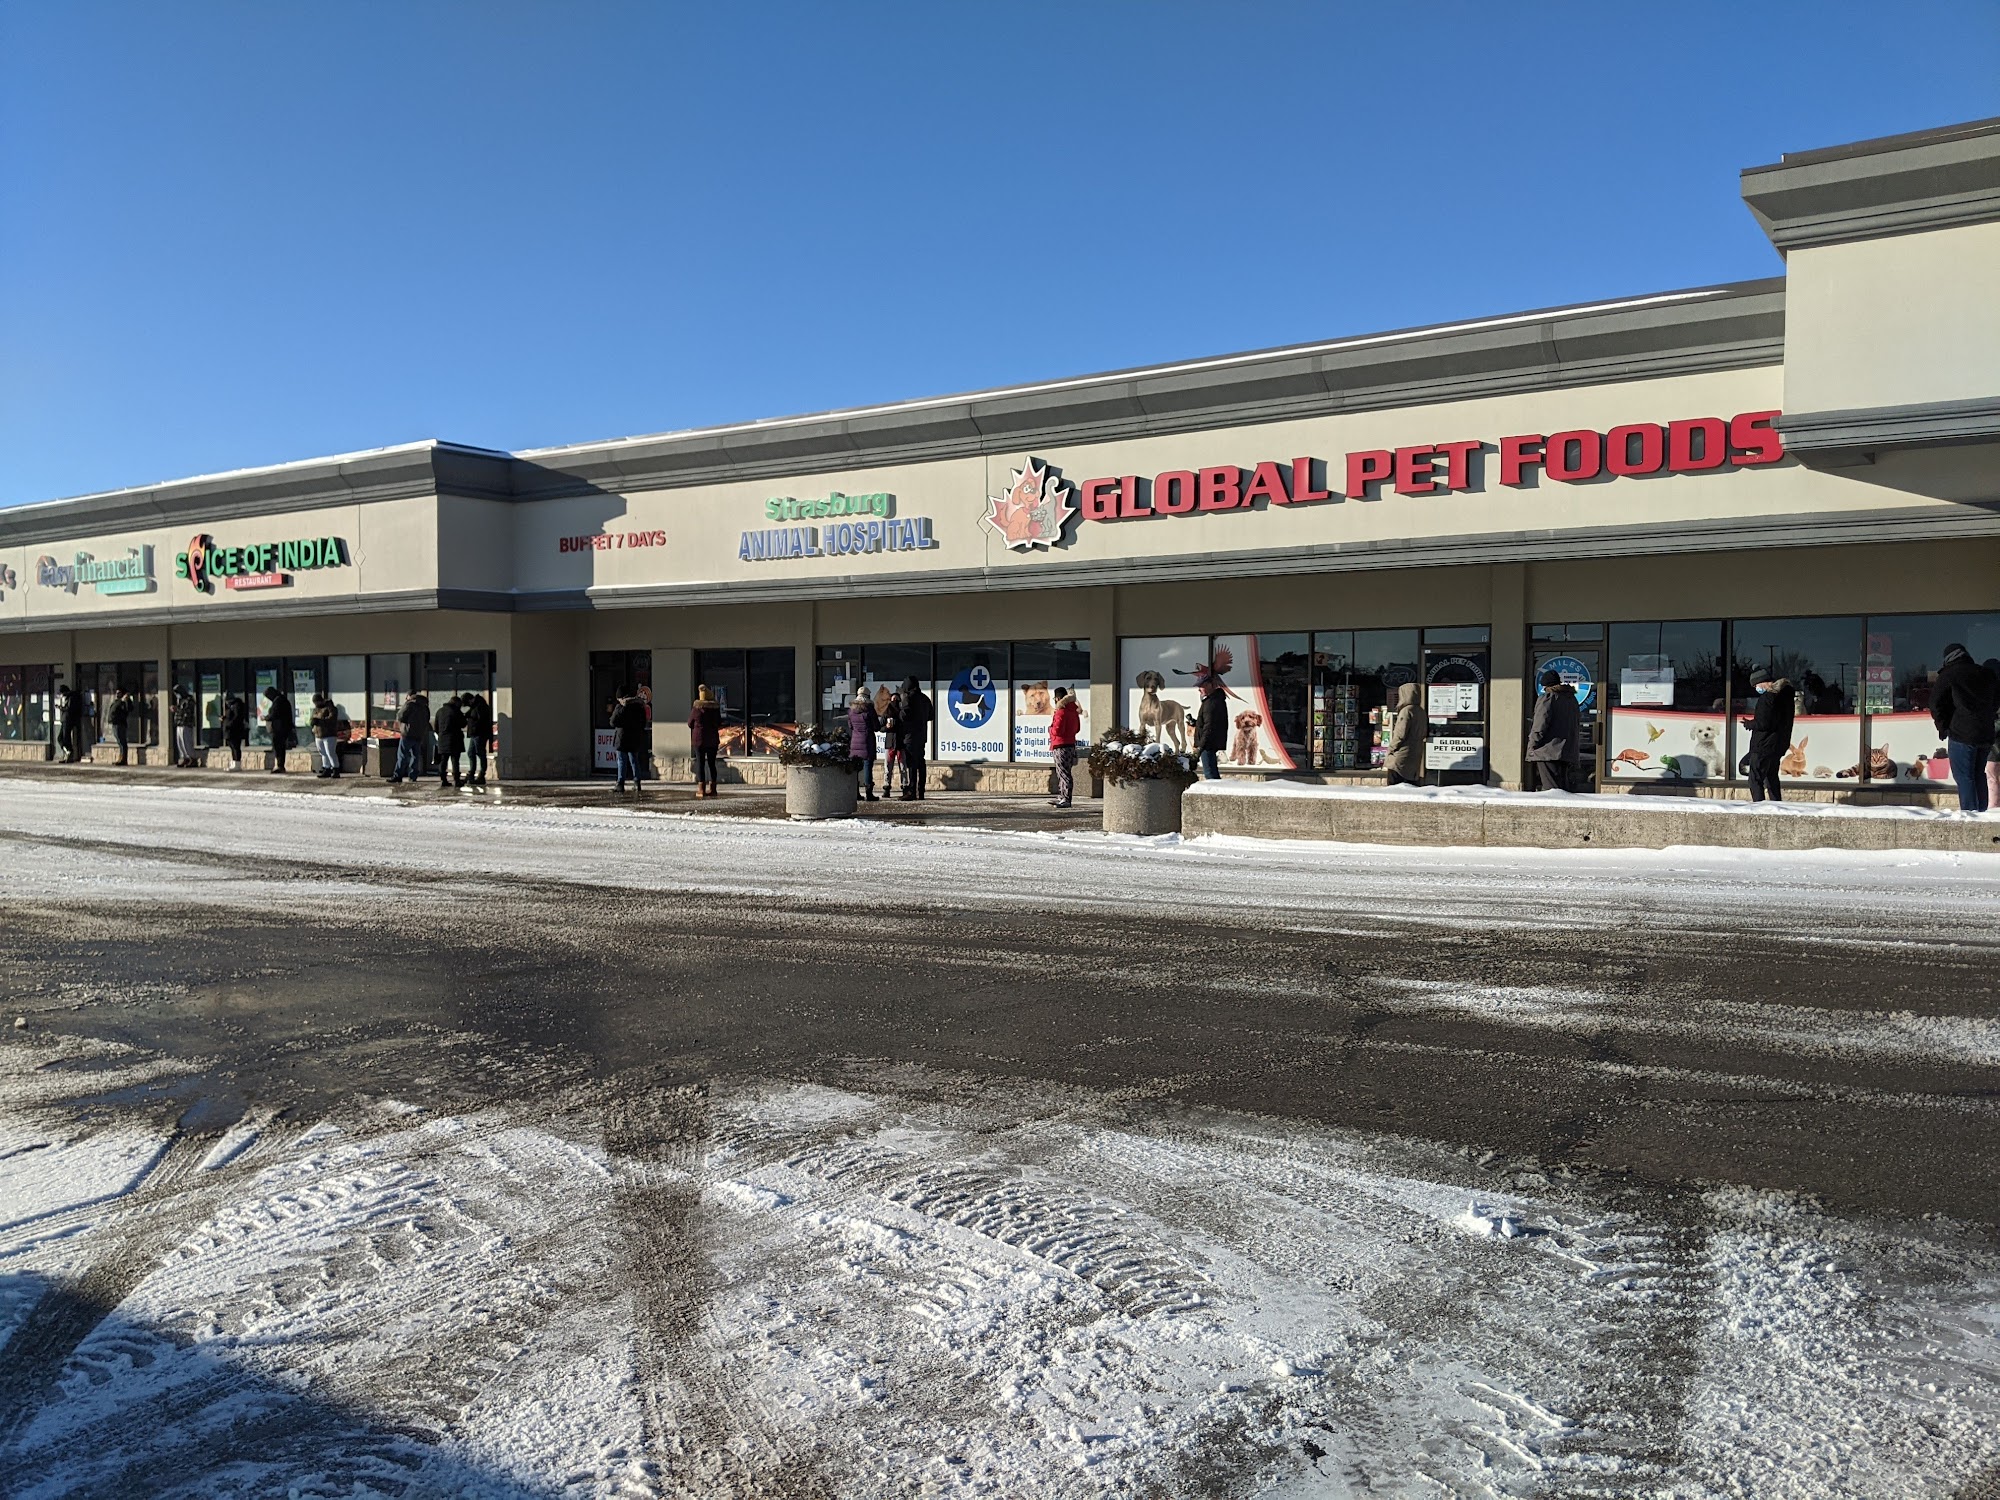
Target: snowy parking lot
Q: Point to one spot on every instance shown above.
(351, 1148)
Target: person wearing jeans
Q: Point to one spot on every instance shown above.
(1964, 699)
(633, 727)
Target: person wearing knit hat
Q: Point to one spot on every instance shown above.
(862, 724)
(705, 739)
(1555, 741)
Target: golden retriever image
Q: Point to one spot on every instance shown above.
(1035, 699)
(1166, 720)
(1243, 751)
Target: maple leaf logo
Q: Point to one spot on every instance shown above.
(1034, 510)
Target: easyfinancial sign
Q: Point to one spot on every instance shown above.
(130, 574)
(1691, 446)
(261, 565)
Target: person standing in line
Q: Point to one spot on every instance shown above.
(413, 749)
(1770, 729)
(121, 724)
(1963, 702)
(283, 724)
(235, 728)
(65, 723)
(1555, 741)
(184, 711)
(450, 727)
(325, 720)
(862, 724)
(478, 737)
(705, 740)
(892, 747)
(630, 739)
(1064, 727)
(1404, 758)
(916, 736)
(1211, 729)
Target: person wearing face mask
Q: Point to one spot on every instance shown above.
(1770, 727)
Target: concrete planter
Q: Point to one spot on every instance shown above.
(813, 792)
(1142, 807)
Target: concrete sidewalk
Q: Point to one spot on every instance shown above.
(958, 808)
(1487, 817)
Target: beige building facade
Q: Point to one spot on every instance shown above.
(1661, 498)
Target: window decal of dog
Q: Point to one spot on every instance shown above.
(1243, 751)
(1165, 719)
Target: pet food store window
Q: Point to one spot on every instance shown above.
(1355, 677)
(1268, 680)
(1666, 702)
(1901, 657)
(1823, 661)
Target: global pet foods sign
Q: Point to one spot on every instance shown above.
(1691, 445)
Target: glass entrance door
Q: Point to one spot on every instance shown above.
(1579, 667)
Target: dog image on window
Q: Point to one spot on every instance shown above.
(1244, 750)
(1160, 717)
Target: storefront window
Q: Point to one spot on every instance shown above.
(1041, 667)
(972, 696)
(347, 685)
(883, 669)
(13, 703)
(772, 675)
(1665, 695)
(38, 706)
(1355, 677)
(102, 681)
(613, 675)
(727, 675)
(388, 685)
(1901, 655)
(1822, 658)
(1157, 693)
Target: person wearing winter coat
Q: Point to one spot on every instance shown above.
(449, 725)
(413, 750)
(283, 723)
(1964, 699)
(71, 715)
(892, 745)
(1211, 729)
(478, 737)
(916, 738)
(235, 728)
(705, 740)
(862, 723)
(1064, 727)
(120, 717)
(1770, 729)
(325, 721)
(1555, 738)
(1404, 760)
(183, 710)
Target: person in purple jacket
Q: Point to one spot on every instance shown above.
(862, 722)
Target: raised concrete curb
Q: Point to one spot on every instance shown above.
(1551, 820)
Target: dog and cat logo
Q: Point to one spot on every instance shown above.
(1037, 506)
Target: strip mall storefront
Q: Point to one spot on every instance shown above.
(1663, 498)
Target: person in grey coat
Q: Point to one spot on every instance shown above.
(1404, 761)
(1555, 738)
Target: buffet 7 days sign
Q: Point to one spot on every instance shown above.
(1692, 445)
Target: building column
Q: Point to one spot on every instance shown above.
(1102, 611)
(673, 697)
(1506, 714)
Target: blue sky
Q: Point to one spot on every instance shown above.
(234, 234)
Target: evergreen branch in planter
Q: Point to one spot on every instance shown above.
(803, 749)
(1124, 755)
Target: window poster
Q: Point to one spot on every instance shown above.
(304, 685)
(1665, 744)
(1878, 676)
(1253, 738)
(1646, 682)
(1158, 693)
(1825, 747)
(971, 707)
(1034, 707)
(1906, 748)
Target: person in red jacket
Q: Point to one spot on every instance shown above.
(1063, 730)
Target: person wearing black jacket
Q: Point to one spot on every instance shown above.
(1555, 739)
(72, 716)
(478, 735)
(121, 724)
(1211, 728)
(1963, 701)
(450, 727)
(235, 728)
(284, 727)
(1770, 729)
(632, 729)
(915, 734)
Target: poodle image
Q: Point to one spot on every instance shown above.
(1706, 752)
(1167, 720)
(1243, 751)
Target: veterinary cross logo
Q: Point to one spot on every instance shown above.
(1034, 510)
(973, 698)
